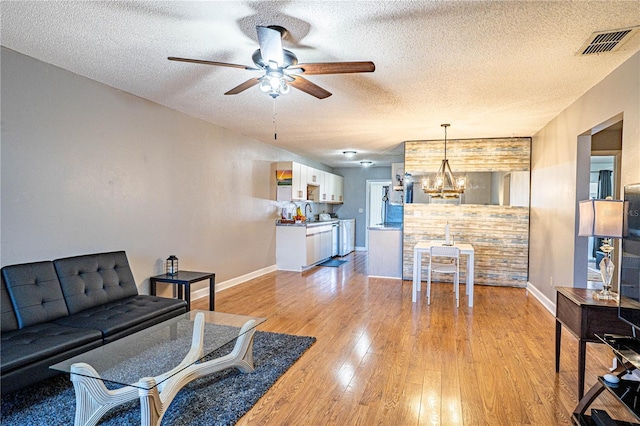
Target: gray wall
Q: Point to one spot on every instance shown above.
(86, 168)
(355, 196)
(560, 170)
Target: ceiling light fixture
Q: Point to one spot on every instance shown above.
(366, 163)
(444, 184)
(349, 154)
(274, 84)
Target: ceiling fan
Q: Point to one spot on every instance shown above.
(281, 69)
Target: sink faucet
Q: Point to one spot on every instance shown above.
(305, 209)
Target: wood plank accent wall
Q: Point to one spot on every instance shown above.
(469, 155)
(499, 234)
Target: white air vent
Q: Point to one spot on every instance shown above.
(606, 41)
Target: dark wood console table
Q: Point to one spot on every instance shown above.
(186, 278)
(585, 317)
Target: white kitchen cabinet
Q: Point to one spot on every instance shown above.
(297, 190)
(313, 176)
(323, 186)
(336, 184)
(339, 189)
(299, 182)
(329, 180)
(300, 247)
(307, 184)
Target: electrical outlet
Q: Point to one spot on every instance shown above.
(360, 210)
(551, 281)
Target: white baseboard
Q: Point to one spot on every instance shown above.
(544, 300)
(360, 248)
(204, 292)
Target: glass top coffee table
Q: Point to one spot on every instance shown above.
(155, 363)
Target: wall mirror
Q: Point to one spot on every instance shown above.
(483, 188)
(497, 171)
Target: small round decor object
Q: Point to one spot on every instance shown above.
(611, 378)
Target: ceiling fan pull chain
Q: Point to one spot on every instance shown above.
(275, 127)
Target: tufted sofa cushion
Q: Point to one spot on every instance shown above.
(95, 279)
(126, 316)
(35, 291)
(27, 345)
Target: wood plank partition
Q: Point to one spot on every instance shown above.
(498, 233)
(499, 236)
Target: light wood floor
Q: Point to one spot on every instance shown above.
(381, 360)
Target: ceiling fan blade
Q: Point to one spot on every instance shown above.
(335, 67)
(220, 64)
(309, 87)
(244, 86)
(270, 45)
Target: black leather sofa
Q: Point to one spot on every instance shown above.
(54, 310)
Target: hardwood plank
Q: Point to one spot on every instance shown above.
(380, 359)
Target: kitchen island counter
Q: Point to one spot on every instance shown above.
(385, 250)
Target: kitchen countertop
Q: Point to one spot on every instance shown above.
(308, 224)
(389, 226)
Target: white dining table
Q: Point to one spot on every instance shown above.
(424, 247)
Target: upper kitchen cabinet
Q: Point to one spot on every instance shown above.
(298, 182)
(334, 185)
(290, 181)
(331, 188)
(339, 189)
(313, 176)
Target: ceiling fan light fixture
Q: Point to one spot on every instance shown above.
(284, 88)
(349, 154)
(265, 85)
(274, 84)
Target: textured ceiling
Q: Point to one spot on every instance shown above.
(490, 68)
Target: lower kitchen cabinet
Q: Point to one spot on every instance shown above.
(299, 247)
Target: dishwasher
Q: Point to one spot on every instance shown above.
(335, 239)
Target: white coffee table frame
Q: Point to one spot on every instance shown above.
(93, 399)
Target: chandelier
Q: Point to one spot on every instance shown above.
(444, 184)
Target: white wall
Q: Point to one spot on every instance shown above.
(87, 168)
(558, 164)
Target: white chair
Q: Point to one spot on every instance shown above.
(444, 260)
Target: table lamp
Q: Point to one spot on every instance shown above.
(603, 219)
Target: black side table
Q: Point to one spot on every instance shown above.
(585, 317)
(186, 278)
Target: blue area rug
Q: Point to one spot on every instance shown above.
(220, 399)
(334, 263)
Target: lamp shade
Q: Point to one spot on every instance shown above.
(601, 218)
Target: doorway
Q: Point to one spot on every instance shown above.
(377, 191)
(602, 185)
(599, 153)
